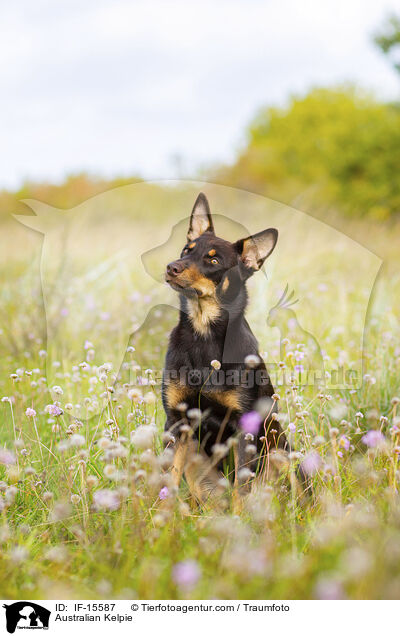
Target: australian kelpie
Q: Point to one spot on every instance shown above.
(214, 374)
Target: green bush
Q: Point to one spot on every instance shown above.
(335, 147)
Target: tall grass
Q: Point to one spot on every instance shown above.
(87, 505)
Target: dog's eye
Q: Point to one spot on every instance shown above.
(214, 261)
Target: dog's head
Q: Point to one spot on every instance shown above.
(210, 265)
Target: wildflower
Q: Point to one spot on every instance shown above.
(54, 410)
(292, 427)
(344, 442)
(92, 481)
(10, 494)
(194, 414)
(75, 499)
(60, 511)
(30, 412)
(252, 361)
(6, 457)
(77, 440)
(143, 436)
(57, 390)
(244, 474)
(250, 422)
(135, 395)
(106, 367)
(311, 463)
(109, 470)
(216, 364)
(164, 493)
(149, 398)
(57, 554)
(329, 589)
(63, 446)
(18, 554)
(167, 438)
(186, 574)
(220, 450)
(373, 438)
(106, 500)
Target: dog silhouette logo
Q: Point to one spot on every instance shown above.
(26, 615)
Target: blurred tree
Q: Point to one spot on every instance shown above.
(389, 40)
(335, 147)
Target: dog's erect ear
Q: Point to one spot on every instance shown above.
(253, 250)
(200, 219)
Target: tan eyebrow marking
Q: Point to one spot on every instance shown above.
(212, 253)
(192, 245)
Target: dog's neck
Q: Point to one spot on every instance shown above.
(207, 313)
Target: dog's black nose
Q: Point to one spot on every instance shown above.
(175, 268)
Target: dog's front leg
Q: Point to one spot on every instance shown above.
(241, 484)
(180, 457)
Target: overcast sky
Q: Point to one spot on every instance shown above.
(122, 87)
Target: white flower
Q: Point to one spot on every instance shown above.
(18, 554)
(149, 397)
(135, 394)
(106, 499)
(6, 457)
(57, 554)
(252, 361)
(194, 414)
(77, 440)
(143, 436)
(216, 364)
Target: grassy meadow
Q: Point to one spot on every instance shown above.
(87, 509)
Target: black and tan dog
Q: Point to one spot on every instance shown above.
(210, 277)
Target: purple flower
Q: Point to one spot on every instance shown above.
(299, 368)
(54, 410)
(106, 499)
(311, 463)
(250, 422)
(344, 442)
(373, 438)
(6, 456)
(292, 427)
(186, 573)
(329, 590)
(30, 412)
(164, 493)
